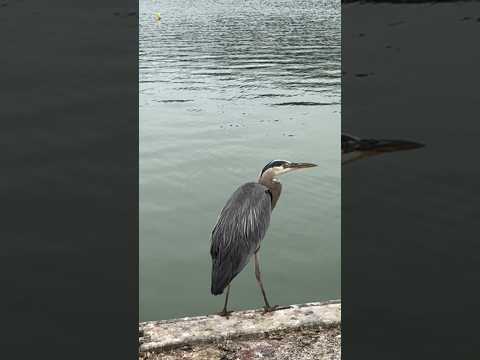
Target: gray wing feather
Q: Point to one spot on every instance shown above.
(241, 226)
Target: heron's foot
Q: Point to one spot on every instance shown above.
(268, 309)
(225, 313)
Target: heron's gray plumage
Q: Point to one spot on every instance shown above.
(240, 228)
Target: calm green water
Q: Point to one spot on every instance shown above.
(226, 86)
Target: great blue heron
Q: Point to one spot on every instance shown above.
(355, 148)
(241, 226)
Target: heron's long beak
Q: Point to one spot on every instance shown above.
(374, 147)
(296, 166)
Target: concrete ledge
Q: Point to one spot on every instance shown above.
(169, 334)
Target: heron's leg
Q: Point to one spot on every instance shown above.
(259, 280)
(226, 299)
(224, 311)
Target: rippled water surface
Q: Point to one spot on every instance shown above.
(226, 86)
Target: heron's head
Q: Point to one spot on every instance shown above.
(275, 168)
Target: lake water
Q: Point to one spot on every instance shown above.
(226, 86)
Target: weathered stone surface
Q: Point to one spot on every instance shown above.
(311, 329)
(313, 343)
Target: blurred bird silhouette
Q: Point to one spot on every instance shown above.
(355, 148)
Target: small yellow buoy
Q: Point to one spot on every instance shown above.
(157, 16)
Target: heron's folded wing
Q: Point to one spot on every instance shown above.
(241, 226)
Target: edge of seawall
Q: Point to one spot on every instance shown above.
(157, 336)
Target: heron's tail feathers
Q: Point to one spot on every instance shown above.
(221, 277)
(217, 290)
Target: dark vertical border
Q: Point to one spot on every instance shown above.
(410, 243)
(69, 184)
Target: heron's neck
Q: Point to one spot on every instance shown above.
(268, 179)
(273, 185)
